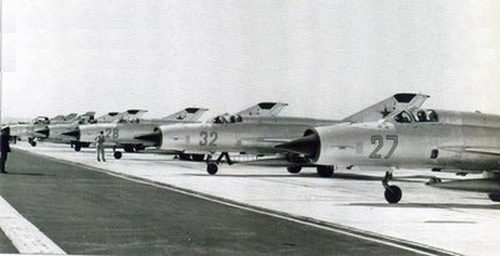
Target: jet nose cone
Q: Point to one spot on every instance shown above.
(43, 131)
(154, 137)
(74, 133)
(308, 145)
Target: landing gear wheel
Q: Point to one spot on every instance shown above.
(294, 169)
(117, 154)
(433, 180)
(393, 194)
(78, 147)
(33, 143)
(212, 168)
(495, 197)
(325, 171)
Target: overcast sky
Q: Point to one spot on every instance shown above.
(327, 59)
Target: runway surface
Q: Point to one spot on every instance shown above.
(268, 211)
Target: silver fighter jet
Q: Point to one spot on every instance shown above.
(250, 135)
(443, 141)
(121, 132)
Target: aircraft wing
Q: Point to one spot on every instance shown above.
(187, 114)
(475, 150)
(387, 106)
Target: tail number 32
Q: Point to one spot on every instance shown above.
(208, 138)
(378, 140)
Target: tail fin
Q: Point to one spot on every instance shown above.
(187, 114)
(85, 118)
(58, 118)
(387, 106)
(264, 109)
(89, 113)
(70, 117)
(109, 117)
(135, 113)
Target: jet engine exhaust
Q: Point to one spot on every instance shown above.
(75, 134)
(154, 137)
(44, 131)
(309, 145)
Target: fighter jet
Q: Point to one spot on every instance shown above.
(73, 133)
(121, 132)
(259, 135)
(37, 129)
(63, 124)
(443, 141)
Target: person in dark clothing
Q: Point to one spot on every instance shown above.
(4, 148)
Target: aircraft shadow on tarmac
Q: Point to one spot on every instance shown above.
(28, 174)
(148, 160)
(344, 176)
(431, 205)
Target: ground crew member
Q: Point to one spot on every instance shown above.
(4, 148)
(100, 139)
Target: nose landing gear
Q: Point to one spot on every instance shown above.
(393, 193)
(213, 166)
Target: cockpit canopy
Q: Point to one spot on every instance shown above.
(41, 120)
(128, 121)
(227, 119)
(419, 116)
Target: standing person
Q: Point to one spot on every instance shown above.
(100, 139)
(4, 148)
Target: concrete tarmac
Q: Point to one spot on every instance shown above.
(89, 212)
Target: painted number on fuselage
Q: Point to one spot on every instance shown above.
(379, 141)
(208, 139)
(112, 133)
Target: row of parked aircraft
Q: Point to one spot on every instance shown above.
(392, 134)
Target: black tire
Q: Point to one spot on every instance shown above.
(393, 194)
(325, 171)
(117, 155)
(433, 181)
(294, 169)
(78, 147)
(33, 143)
(212, 168)
(198, 157)
(495, 197)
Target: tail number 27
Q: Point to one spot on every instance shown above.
(378, 140)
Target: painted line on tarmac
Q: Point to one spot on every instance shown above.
(333, 227)
(25, 236)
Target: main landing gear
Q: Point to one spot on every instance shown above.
(213, 166)
(32, 142)
(294, 169)
(392, 193)
(117, 154)
(323, 171)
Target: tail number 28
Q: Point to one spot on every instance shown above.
(378, 140)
